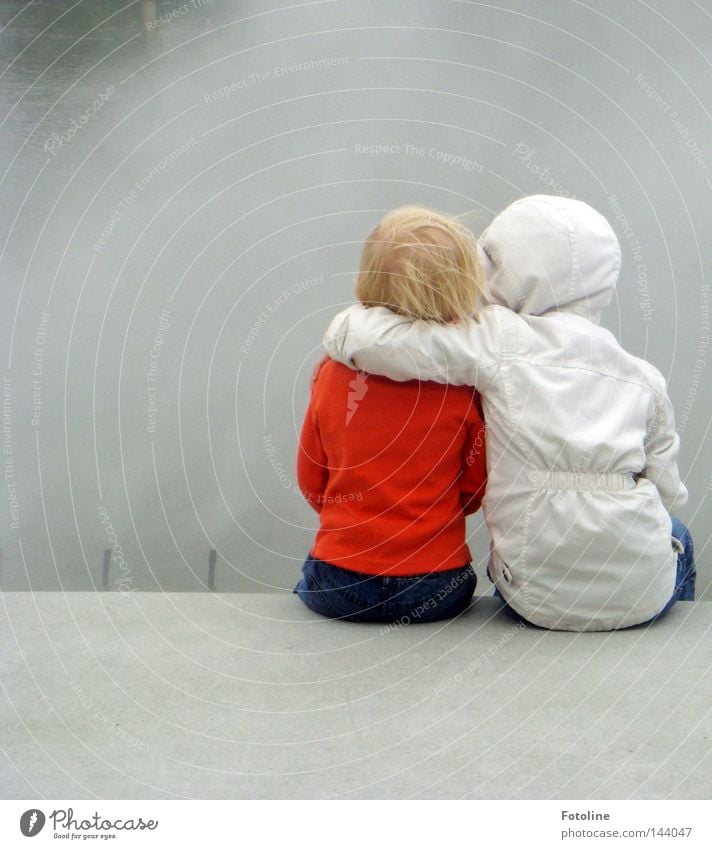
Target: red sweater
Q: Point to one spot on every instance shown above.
(392, 468)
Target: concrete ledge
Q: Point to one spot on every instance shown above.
(197, 695)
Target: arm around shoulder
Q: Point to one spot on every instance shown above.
(378, 341)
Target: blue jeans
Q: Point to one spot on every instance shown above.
(343, 594)
(684, 580)
(686, 569)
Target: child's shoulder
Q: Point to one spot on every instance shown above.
(333, 370)
(652, 375)
(636, 368)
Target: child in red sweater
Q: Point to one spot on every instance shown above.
(392, 468)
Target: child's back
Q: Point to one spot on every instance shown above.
(392, 468)
(581, 447)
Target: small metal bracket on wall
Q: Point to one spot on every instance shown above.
(212, 560)
(105, 570)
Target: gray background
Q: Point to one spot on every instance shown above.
(247, 227)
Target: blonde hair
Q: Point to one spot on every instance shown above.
(421, 263)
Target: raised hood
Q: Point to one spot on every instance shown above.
(545, 253)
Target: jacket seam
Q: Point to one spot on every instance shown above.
(590, 370)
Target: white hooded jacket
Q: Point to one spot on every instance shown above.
(581, 444)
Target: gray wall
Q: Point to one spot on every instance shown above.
(232, 224)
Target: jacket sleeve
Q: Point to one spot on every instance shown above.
(661, 450)
(474, 467)
(312, 468)
(378, 341)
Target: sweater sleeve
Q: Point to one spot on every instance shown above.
(474, 466)
(312, 468)
(378, 341)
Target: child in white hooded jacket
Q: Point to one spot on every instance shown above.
(581, 445)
